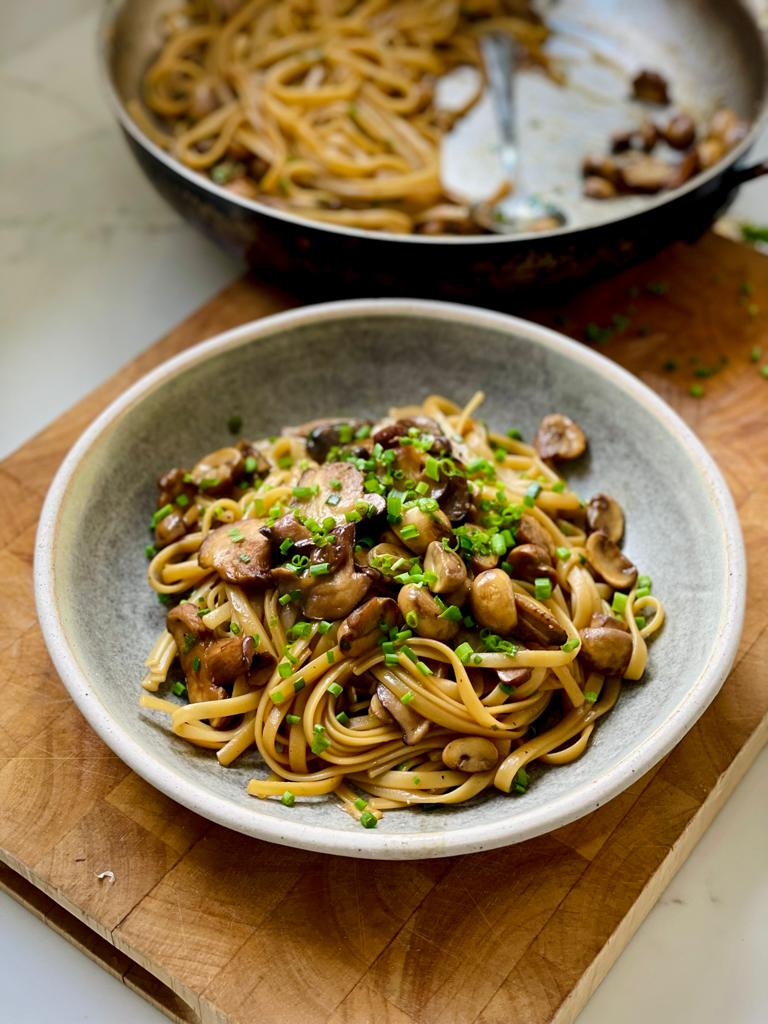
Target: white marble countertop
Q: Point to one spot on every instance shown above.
(93, 268)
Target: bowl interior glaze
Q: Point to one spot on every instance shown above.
(100, 618)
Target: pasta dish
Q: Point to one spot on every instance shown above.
(398, 613)
(323, 107)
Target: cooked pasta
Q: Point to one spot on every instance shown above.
(397, 613)
(323, 107)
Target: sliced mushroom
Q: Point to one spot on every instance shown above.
(605, 649)
(680, 131)
(560, 438)
(604, 513)
(390, 559)
(609, 562)
(378, 710)
(535, 624)
(428, 526)
(333, 489)
(414, 600)
(609, 621)
(684, 170)
(192, 640)
(598, 188)
(260, 465)
(492, 600)
(595, 166)
(455, 501)
(530, 531)
(709, 151)
(650, 87)
(470, 754)
(239, 552)
(727, 126)
(323, 435)
(216, 472)
(644, 174)
(531, 562)
(388, 435)
(170, 528)
(285, 528)
(229, 658)
(333, 595)
(414, 726)
(513, 676)
(362, 629)
(172, 485)
(447, 566)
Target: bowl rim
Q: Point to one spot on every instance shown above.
(725, 165)
(526, 822)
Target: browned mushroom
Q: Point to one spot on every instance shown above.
(388, 434)
(727, 126)
(530, 531)
(323, 435)
(598, 188)
(535, 624)
(492, 600)
(334, 489)
(172, 485)
(560, 438)
(449, 569)
(610, 621)
(709, 151)
(684, 170)
(598, 166)
(192, 640)
(604, 513)
(530, 562)
(414, 726)
(286, 528)
(609, 562)
(644, 137)
(605, 649)
(470, 754)
(650, 87)
(513, 676)
(377, 709)
(170, 528)
(239, 552)
(455, 500)
(362, 629)
(254, 461)
(644, 174)
(216, 472)
(680, 131)
(229, 658)
(417, 601)
(334, 592)
(418, 529)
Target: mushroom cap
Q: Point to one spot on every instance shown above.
(414, 726)
(609, 562)
(560, 438)
(530, 562)
(329, 482)
(430, 625)
(239, 552)
(361, 630)
(536, 624)
(447, 566)
(217, 471)
(604, 514)
(492, 600)
(605, 649)
(470, 754)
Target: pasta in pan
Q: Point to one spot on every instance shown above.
(323, 107)
(397, 613)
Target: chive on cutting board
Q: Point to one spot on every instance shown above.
(200, 921)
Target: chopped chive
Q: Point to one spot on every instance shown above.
(293, 719)
(521, 781)
(394, 505)
(542, 588)
(432, 468)
(464, 652)
(285, 669)
(764, 371)
(302, 493)
(288, 798)
(330, 657)
(361, 804)
(182, 500)
(563, 554)
(319, 744)
(506, 688)
(390, 659)
(150, 551)
(422, 488)
(755, 353)
(277, 696)
(179, 690)
(352, 516)
(234, 628)
(640, 621)
(250, 464)
(570, 645)
(644, 581)
(318, 728)
(323, 627)
(321, 569)
(299, 684)
(388, 647)
(514, 434)
(335, 689)
(558, 486)
(619, 603)
(160, 514)
(342, 717)
(424, 669)
(696, 391)
(642, 592)
(196, 663)
(590, 696)
(498, 545)
(244, 557)
(452, 613)
(236, 535)
(412, 619)
(409, 532)
(368, 820)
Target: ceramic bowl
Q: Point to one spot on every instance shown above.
(99, 617)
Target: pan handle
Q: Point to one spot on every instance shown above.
(740, 175)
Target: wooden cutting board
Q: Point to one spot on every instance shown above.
(212, 926)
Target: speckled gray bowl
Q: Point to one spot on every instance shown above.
(357, 358)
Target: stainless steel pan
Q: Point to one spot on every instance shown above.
(713, 51)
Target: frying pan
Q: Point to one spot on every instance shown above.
(712, 52)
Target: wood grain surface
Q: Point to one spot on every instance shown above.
(212, 926)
